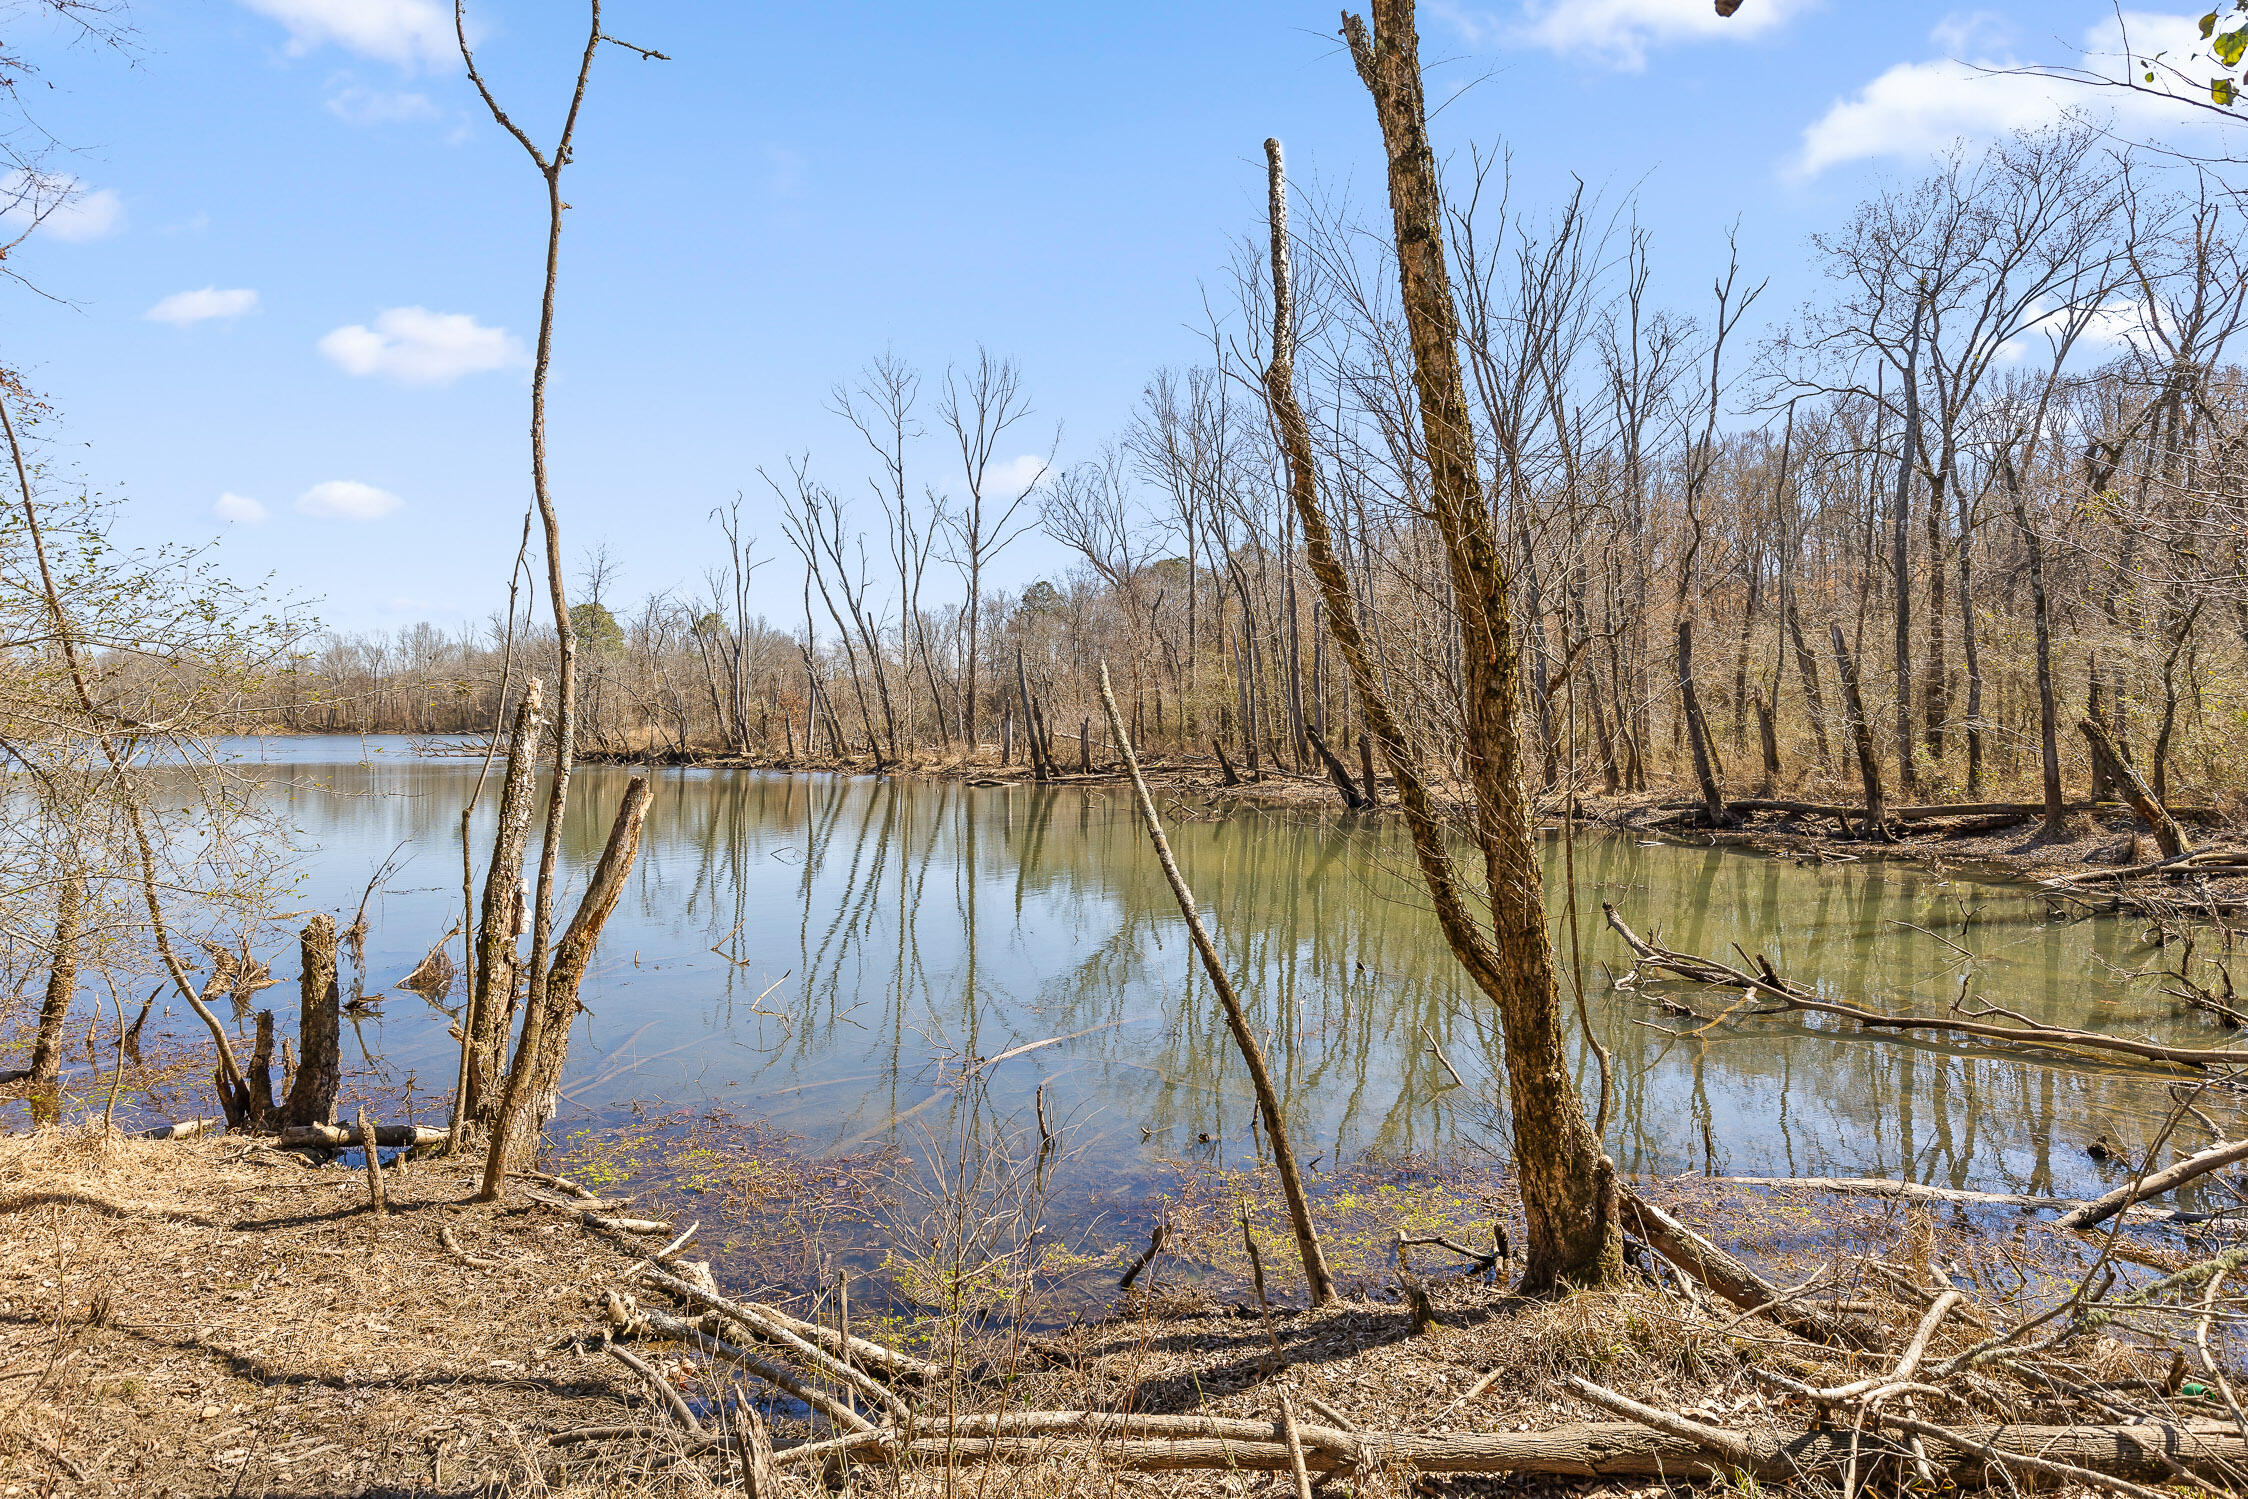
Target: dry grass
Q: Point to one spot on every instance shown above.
(217, 1318)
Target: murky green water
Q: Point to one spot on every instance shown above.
(826, 952)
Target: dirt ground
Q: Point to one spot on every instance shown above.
(213, 1317)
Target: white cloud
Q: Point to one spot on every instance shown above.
(1620, 32)
(358, 105)
(238, 508)
(346, 499)
(1917, 108)
(1011, 476)
(405, 32)
(415, 346)
(61, 207)
(184, 307)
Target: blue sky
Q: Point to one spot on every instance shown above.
(300, 280)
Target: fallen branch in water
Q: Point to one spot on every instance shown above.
(2222, 1154)
(1768, 983)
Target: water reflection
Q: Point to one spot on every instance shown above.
(831, 953)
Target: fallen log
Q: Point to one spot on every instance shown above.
(762, 1323)
(779, 1376)
(336, 1137)
(1768, 983)
(185, 1129)
(2210, 860)
(1935, 810)
(1593, 1449)
(1730, 1278)
(2222, 1154)
(1881, 1186)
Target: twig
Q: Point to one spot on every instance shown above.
(377, 1199)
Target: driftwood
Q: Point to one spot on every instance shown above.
(1767, 983)
(761, 1323)
(337, 1137)
(1881, 1186)
(779, 1376)
(185, 1129)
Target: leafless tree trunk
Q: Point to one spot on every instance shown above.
(62, 981)
(1572, 1235)
(549, 165)
(491, 1013)
(312, 1092)
(528, 1100)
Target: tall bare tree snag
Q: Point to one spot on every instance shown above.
(491, 1013)
(549, 165)
(1569, 1236)
(528, 1100)
(1322, 1284)
(312, 1092)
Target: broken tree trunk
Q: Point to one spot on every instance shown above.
(528, 1098)
(492, 1000)
(2168, 836)
(62, 983)
(312, 1092)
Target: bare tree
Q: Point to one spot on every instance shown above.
(980, 407)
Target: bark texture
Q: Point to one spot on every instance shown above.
(312, 1092)
(1569, 1238)
(62, 983)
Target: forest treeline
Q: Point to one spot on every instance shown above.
(1986, 487)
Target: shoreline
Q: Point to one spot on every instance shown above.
(209, 1317)
(2002, 840)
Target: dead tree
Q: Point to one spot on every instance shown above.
(528, 1100)
(312, 1092)
(491, 1009)
(2168, 836)
(1570, 1236)
(1321, 1283)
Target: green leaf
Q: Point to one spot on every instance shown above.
(2230, 46)
(2221, 91)
(2208, 25)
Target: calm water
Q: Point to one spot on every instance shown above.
(823, 952)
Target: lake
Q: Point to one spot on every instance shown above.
(827, 953)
